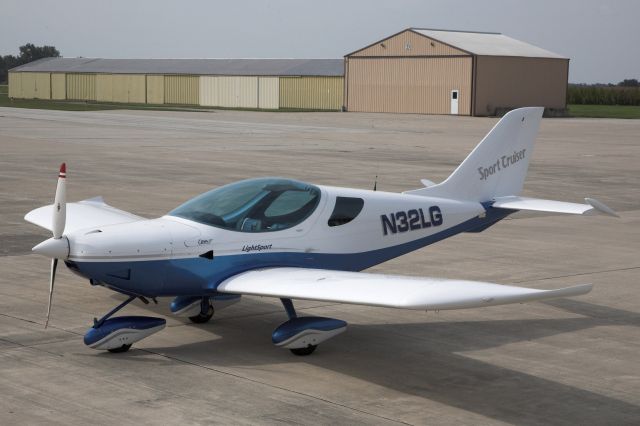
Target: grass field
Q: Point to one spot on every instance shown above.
(604, 111)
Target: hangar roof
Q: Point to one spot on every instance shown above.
(486, 44)
(255, 67)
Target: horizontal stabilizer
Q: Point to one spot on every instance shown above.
(392, 291)
(551, 206)
(89, 213)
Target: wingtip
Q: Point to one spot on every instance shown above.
(63, 170)
(601, 207)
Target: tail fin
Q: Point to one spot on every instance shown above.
(498, 165)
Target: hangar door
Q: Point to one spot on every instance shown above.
(422, 85)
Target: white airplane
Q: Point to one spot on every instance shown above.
(283, 238)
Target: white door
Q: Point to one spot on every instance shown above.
(454, 102)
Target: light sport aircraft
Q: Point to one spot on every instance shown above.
(293, 240)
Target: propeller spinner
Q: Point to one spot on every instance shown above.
(58, 246)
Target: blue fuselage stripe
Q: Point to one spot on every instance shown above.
(201, 276)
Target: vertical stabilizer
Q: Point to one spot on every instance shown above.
(498, 165)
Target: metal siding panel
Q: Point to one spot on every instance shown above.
(208, 92)
(420, 45)
(137, 86)
(58, 86)
(28, 85)
(324, 93)
(511, 82)
(35, 85)
(42, 89)
(229, 91)
(155, 89)
(409, 85)
(181, 89)
(268, 92)
(129, 88)
(104, 88)
(15, 85)
(81, 87)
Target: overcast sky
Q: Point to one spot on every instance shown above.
(602, 38)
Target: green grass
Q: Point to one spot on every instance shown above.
(4, 89)
(604, 111)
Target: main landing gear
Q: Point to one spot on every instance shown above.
(200, 309)
(205, 314)
(119, 333)
(302, 335)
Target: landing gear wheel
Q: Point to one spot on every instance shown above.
(202, 318)
(304, 351)
(123, 348)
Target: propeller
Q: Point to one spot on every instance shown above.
(58, 246)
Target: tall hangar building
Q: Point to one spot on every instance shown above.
(310, 84)
(429, 71)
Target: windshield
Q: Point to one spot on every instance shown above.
(254, 205)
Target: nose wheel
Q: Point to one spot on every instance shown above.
(304, 351)
(206, 312)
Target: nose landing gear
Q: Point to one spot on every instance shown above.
(118, 334)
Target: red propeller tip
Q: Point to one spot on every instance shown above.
(63, 170)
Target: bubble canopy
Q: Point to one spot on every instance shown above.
(253, 205)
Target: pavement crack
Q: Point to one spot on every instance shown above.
(578, 274)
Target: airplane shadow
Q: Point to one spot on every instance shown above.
(427, 360)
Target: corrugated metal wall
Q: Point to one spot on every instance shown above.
(322, 93)
(121, 88)
(15, 85)
(268, 92)
(311, 92)
(30, 85)
(81, 87)
(511, 82)
(181, 89)
(104, 88)
(58, 86)
(409, 85)
(239, 92)
(129, 88)
(229, 92)
(408, 43)
(155, 89)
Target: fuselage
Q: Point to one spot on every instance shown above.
(342, 229)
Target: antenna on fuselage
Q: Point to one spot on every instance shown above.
(375, 183)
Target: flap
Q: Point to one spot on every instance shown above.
(392, 291)
(89, 213)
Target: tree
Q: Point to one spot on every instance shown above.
(28, 53)
(629, 83)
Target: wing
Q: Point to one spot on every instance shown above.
(83, 214)
(392, 291)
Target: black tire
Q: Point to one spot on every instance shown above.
(304, 351)
(121, 349)
(202, 318)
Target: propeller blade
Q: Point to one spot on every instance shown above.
(60, 203)
(52, 278)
